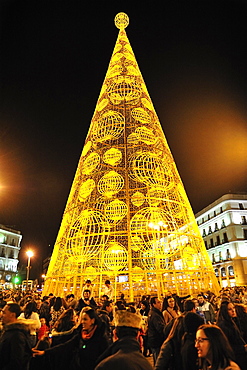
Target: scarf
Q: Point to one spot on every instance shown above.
(85, 335)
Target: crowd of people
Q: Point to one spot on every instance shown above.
(178, 333)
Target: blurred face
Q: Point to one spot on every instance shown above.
(109, 308)
(7, 316)
(196, 302)
(202, 344)
(86, 295)
(157, 304)
(87, 323)
(200, 299)
(42, 321)
(171, 302)
(231, 310)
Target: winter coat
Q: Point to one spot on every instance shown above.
(15, 350)
(122, 355)
(169, 357)
(82, 354)
(156, 325)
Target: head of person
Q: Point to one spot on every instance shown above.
(144, 305)
(88, 282)
(156, 303)
(107, 283)
(105, 297)
(241, 310)
(201, 299)
(66, 321)
(169, 302)
(212, 345)
(107, 306)
(58, 303)
(189, 305)
(30, 307)
(127, 323)
(86, 294)
(226, 311)
(89, 319)
(10, 313)
(192, 322)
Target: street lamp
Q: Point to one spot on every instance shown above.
(29, 255)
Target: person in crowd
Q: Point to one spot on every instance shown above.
(70, 300)
(56, 310)
(124, 353)
(156, 325)
(30, 314)
(45, 309)
(108, 290)
(214, 350)
(63, 328)
(144, 311)
(43, 328)
(105, 313)
(242, 319)
(170, 309)
(207, 309)
(199, 312)
(227, 321)
(84, 348)
(85, 301)
(2, 301)
(15, 350)
(191, 323)
(88, 286)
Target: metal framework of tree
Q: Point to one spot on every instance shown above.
(128, 218)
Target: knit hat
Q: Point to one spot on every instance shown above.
(127, 318)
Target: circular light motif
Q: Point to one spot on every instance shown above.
(115, 256)
(116, 210)
(90, 163)
(138, 199)
(111, 183)
(141, 115)
(137, 274)
(121, 20)
(155, 196)
(145, 135)
(87, 235)
(86, 189)
(124, 88)
(109, 126)
(112, 156)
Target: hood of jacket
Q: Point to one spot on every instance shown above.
(17, 325)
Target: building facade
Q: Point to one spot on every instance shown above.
(223, 226)
(10, 241)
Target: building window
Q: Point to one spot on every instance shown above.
(211, 243)
(225, 238)
(221, 210)
(228, 254)
(223, 272)
(214, 213)
(220, 256)
(230, 271)
(203, 233)
(245, 233)
(209, 230)
(202, 220)
(208, 216)
(216, 271)
(241, 206)
(3, 253)
(223, 224)
(216, 227)
(217, 240)
(213, 258)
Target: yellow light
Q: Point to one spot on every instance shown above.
(29, 253)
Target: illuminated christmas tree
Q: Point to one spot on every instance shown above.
(128, 218)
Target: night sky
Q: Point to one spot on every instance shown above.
(54, 57)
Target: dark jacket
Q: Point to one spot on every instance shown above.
(81, 304)
(169, 357)
(156, 325)
(15, 350)
(124, 354)
(83, 354)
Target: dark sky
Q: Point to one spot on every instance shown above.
(54, 57)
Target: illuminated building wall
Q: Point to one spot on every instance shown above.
(128, 218)
(9, 250)
(223, 226)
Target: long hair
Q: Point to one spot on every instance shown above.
(223, 314)
(165, 304)
(220, 350)
(65, 321)
(57, 304)
(92, 314)
(29, 309)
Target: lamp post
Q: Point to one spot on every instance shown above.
(29, 255)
